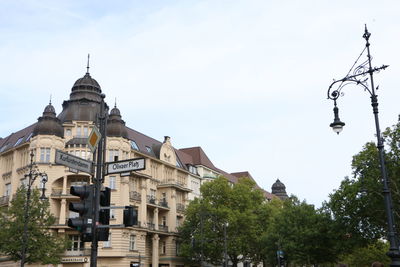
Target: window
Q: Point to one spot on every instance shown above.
(177, 248)
(107, 244)
(7, 191)
(113, 182)
(164, 220)
(148, 149)
(29, 137)
(134, 145)
(45, 154)
(132, 239)
(85, 131)
(78, 131)
(112, 212)
(113, 155)
(68, 132)
(76, 243)
(163, 247)
(19, 141)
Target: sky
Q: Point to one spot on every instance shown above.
(245, 80)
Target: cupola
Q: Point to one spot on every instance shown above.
(49, 124)
(115, 125)
(279, 189)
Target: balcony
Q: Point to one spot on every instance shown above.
(180, 207)
(135, 196)
(151, 226)
(163, 228)
(163, 203)
(151, 200)
(4, 200)
(178, 184)
(78, 252)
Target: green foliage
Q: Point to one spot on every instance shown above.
(43, 246)
(358, 204)
(236, 206)
(363, 257)
(306, 236)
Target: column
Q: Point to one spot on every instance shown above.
(64, 189)
(63, 209)
(143, 204)
(155, 256)
(156, 218)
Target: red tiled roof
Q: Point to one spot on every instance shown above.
(198, 157)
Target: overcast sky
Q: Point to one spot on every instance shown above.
(245, 80)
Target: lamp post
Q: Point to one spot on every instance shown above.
(32, 175)
(225, 246)
(359, 76)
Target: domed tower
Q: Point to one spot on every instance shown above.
(49, 124)
(115, 125)
(279, 190)
(84, 101)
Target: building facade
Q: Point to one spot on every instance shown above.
(160, 193)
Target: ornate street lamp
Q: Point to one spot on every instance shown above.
(359, 76)
(31, 176)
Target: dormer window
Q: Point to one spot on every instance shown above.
(134, 145)
(19, 141)
(193, 169)
(148, 149)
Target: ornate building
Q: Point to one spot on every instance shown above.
(160, 193)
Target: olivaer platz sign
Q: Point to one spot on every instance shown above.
(136, 164)
(73, 162)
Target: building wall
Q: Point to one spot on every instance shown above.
(160, 193)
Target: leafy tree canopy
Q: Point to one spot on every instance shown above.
(223, 207)
(358, 204)
(43, 246)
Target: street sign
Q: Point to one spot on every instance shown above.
(93, 139)
(126, 165)
(73, 162)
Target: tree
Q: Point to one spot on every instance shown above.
(305, 235)
(358, 204)
(235, 207)
(43, 246)
(364, 256)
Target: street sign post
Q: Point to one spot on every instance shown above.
(94, 139)
(124, 166)
(73, 162)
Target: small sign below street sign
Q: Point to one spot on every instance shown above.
(73, 162)
(93, 139)
(126, 165)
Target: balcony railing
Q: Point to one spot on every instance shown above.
(78, 252)
(58, 191)
(151, 226)
(151, 199)
(174, 182)
(163, 228)
(133, 195)
(4, 200)
(180, 207)
(163, 203)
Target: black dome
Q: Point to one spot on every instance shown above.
(86, 87)
(49, 124)
(115, 125)
(279, 189)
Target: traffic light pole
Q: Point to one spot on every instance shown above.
(101, 148)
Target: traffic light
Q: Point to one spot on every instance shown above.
(130, 216)
(85, 209)
(104, 214)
